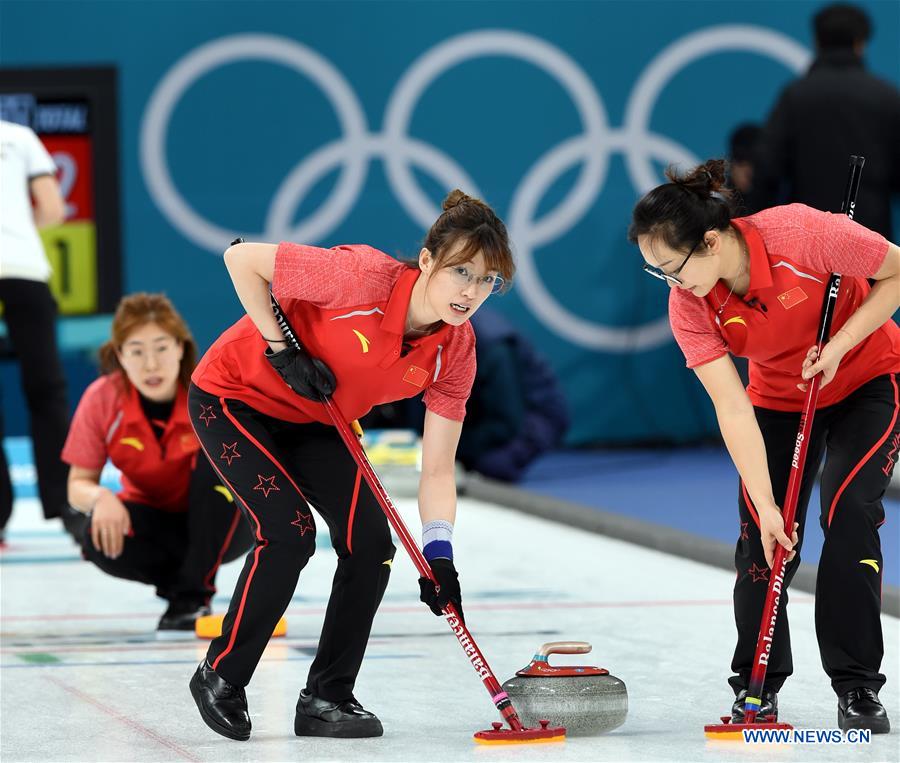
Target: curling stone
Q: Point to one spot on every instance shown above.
(210, 626)
(586, 700)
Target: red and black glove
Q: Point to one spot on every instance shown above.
(307, 376)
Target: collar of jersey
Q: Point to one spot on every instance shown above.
(134, 411)
(394, 320)
(760, 273)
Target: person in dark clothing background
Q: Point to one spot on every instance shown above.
(517, 409)
(837, 109)
(743, 145)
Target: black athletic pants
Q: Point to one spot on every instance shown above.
(179, 553)
(859, 438)
(29, 311)
(277, 470)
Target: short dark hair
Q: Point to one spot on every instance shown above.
(841, 26)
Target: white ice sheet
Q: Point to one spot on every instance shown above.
(84, 678)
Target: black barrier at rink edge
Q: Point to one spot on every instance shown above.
(657, 537)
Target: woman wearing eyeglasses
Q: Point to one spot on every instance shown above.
(374, 330)
(172, 523)
(753, 287)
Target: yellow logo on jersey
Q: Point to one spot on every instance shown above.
(224, 491)
(871, 562)
(735, 319)
(134, 442)
(363, 341)
(388, 562)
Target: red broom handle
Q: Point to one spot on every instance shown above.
(465, 638)
(789, 509)
(779, 564)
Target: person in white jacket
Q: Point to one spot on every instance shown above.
(28, 173)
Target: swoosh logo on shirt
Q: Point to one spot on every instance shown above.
(362, 340)
(134, 442)
(871, 562)
(735, 319)
(359, 312)
(224, 491)
(799, 273)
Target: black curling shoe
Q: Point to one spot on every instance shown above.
(347, 719)
(222, 705)
(181, 615)
(861, 709)
(768, 710)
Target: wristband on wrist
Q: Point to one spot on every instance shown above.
(437, 536)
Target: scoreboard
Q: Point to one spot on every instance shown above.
(74, 113)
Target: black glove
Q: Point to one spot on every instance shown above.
(448, 580)
(307, 376)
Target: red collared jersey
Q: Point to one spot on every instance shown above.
(109, 423)
(348, 307)
(793, 251)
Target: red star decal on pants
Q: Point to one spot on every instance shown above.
(266, 484)
(207, 414)
(744, 534)
(229, 452)
(304, 522)
(758, 573)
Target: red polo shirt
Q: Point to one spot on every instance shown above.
(793, 251)
(109, 423)
(348, 306)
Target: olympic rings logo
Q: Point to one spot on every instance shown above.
(400, 151)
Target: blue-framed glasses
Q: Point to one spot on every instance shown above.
(673, 276)
(488, 283)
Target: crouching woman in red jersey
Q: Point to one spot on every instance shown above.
(173, 523)
(374, 330)
(753, 287)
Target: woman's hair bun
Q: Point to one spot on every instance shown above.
(705, 180)
(453, 198)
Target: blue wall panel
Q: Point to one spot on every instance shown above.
(346, 122)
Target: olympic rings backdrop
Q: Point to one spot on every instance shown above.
(345, 122)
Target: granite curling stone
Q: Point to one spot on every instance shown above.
(586, 700)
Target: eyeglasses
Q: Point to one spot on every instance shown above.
(138, 356)
(462, 278)
(673, 276)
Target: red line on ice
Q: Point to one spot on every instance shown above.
(122, 718)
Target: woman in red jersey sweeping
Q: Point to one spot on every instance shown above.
(374, 330)
(173, 523)
(753, 287)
